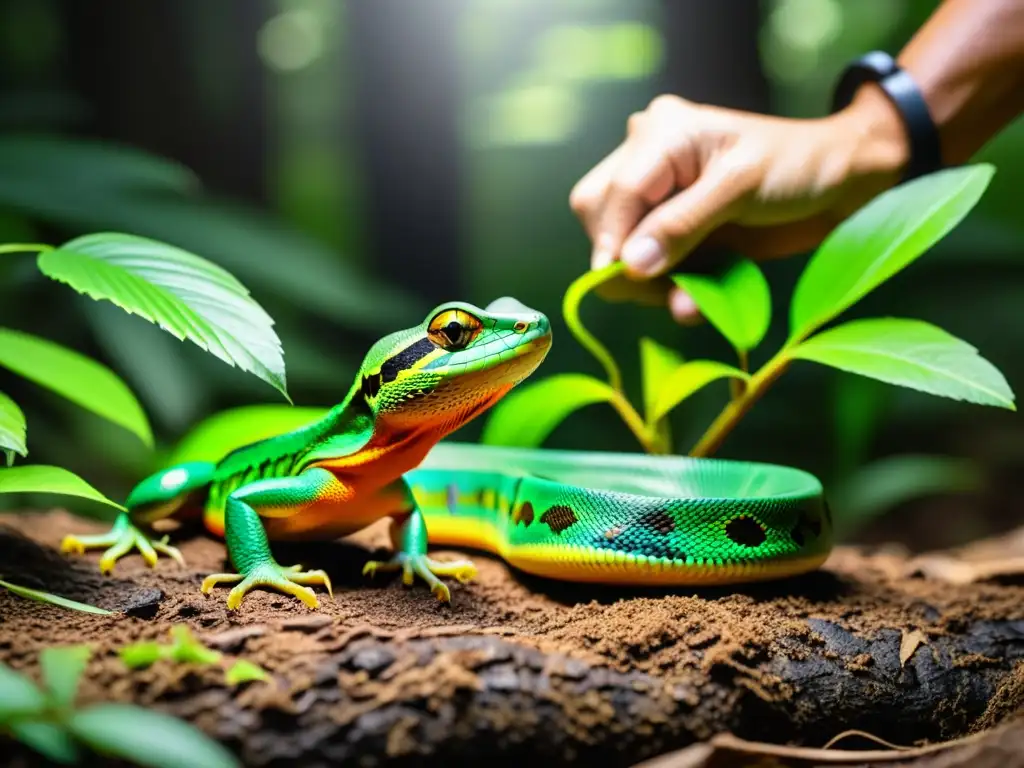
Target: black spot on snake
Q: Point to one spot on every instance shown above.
(797, 535)
(523, 515)
(746, 531)
(811, 522)
(558, 518)
(658, 521)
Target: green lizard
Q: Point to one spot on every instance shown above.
(583, 516)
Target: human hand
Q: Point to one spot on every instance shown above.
(690, 174)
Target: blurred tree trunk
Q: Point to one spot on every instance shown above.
(404, 64)
(181, 78)
(712, 53)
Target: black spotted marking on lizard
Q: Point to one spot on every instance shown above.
(746, 531)
(559, 517)
(523, 515)
(658, 521)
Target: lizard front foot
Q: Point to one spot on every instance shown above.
(427, 569)
(288, 580)
(121, 539)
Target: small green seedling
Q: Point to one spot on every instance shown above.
(186, 648)
(46, 720)
(874, 244)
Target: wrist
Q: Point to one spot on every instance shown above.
(871, 134)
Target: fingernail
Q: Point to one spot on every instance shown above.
(601, 258)
(683, 308)
(643, 255)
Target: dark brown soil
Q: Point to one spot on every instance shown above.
(519, 668)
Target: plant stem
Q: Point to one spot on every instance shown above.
(636, 425)
(739, 406)
(25, 248)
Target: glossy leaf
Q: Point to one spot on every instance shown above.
(188, 296)
(62, 668)
(148, 738)
(46, 597)
(687, 379)
(657, 362)
(12, 429)
(736, 301)
(527, 415)
(912, 354)
(18, 695)
(880, 239)
(80, 379)
(40, 478)
(221, 433)
(47, 739)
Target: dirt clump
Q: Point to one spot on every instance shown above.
(524, 668)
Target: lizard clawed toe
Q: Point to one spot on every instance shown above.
(426, 568)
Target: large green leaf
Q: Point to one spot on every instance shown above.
(148, 738)
(62, 668)
(687, 379)
(912, 354)
(40, 478)
(657, 362)
(881, 239)
(18, 694)
(76, 377)
(526, 416)
(46, 597)
(221, 433)
(47, 739)
(42, 170)
(737, 301)
(184, 294)
(12, 429)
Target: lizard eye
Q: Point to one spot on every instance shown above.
(453, 329)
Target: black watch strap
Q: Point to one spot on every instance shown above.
(881, 68)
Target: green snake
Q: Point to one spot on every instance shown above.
(600, 517)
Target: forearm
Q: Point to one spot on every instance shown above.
(968, 60)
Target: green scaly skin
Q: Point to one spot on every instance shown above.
(583, 516)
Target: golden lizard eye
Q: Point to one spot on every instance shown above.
(453, 329)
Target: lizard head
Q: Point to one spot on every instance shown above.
(453, 366)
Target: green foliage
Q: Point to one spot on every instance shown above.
(46, 597)
(912, 354)
(863, 252)
(40, 478)
(47, 721)
(78, 378)
(62, 667)
(12, 429)
(548, 403)
(186, 648)
(687, 379)
(189, 297)
(221, 433)
(881, 485)
(244, 671)
(879, 240)
(146, 737)
(736, 301)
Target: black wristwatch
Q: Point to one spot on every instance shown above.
(881, 68)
